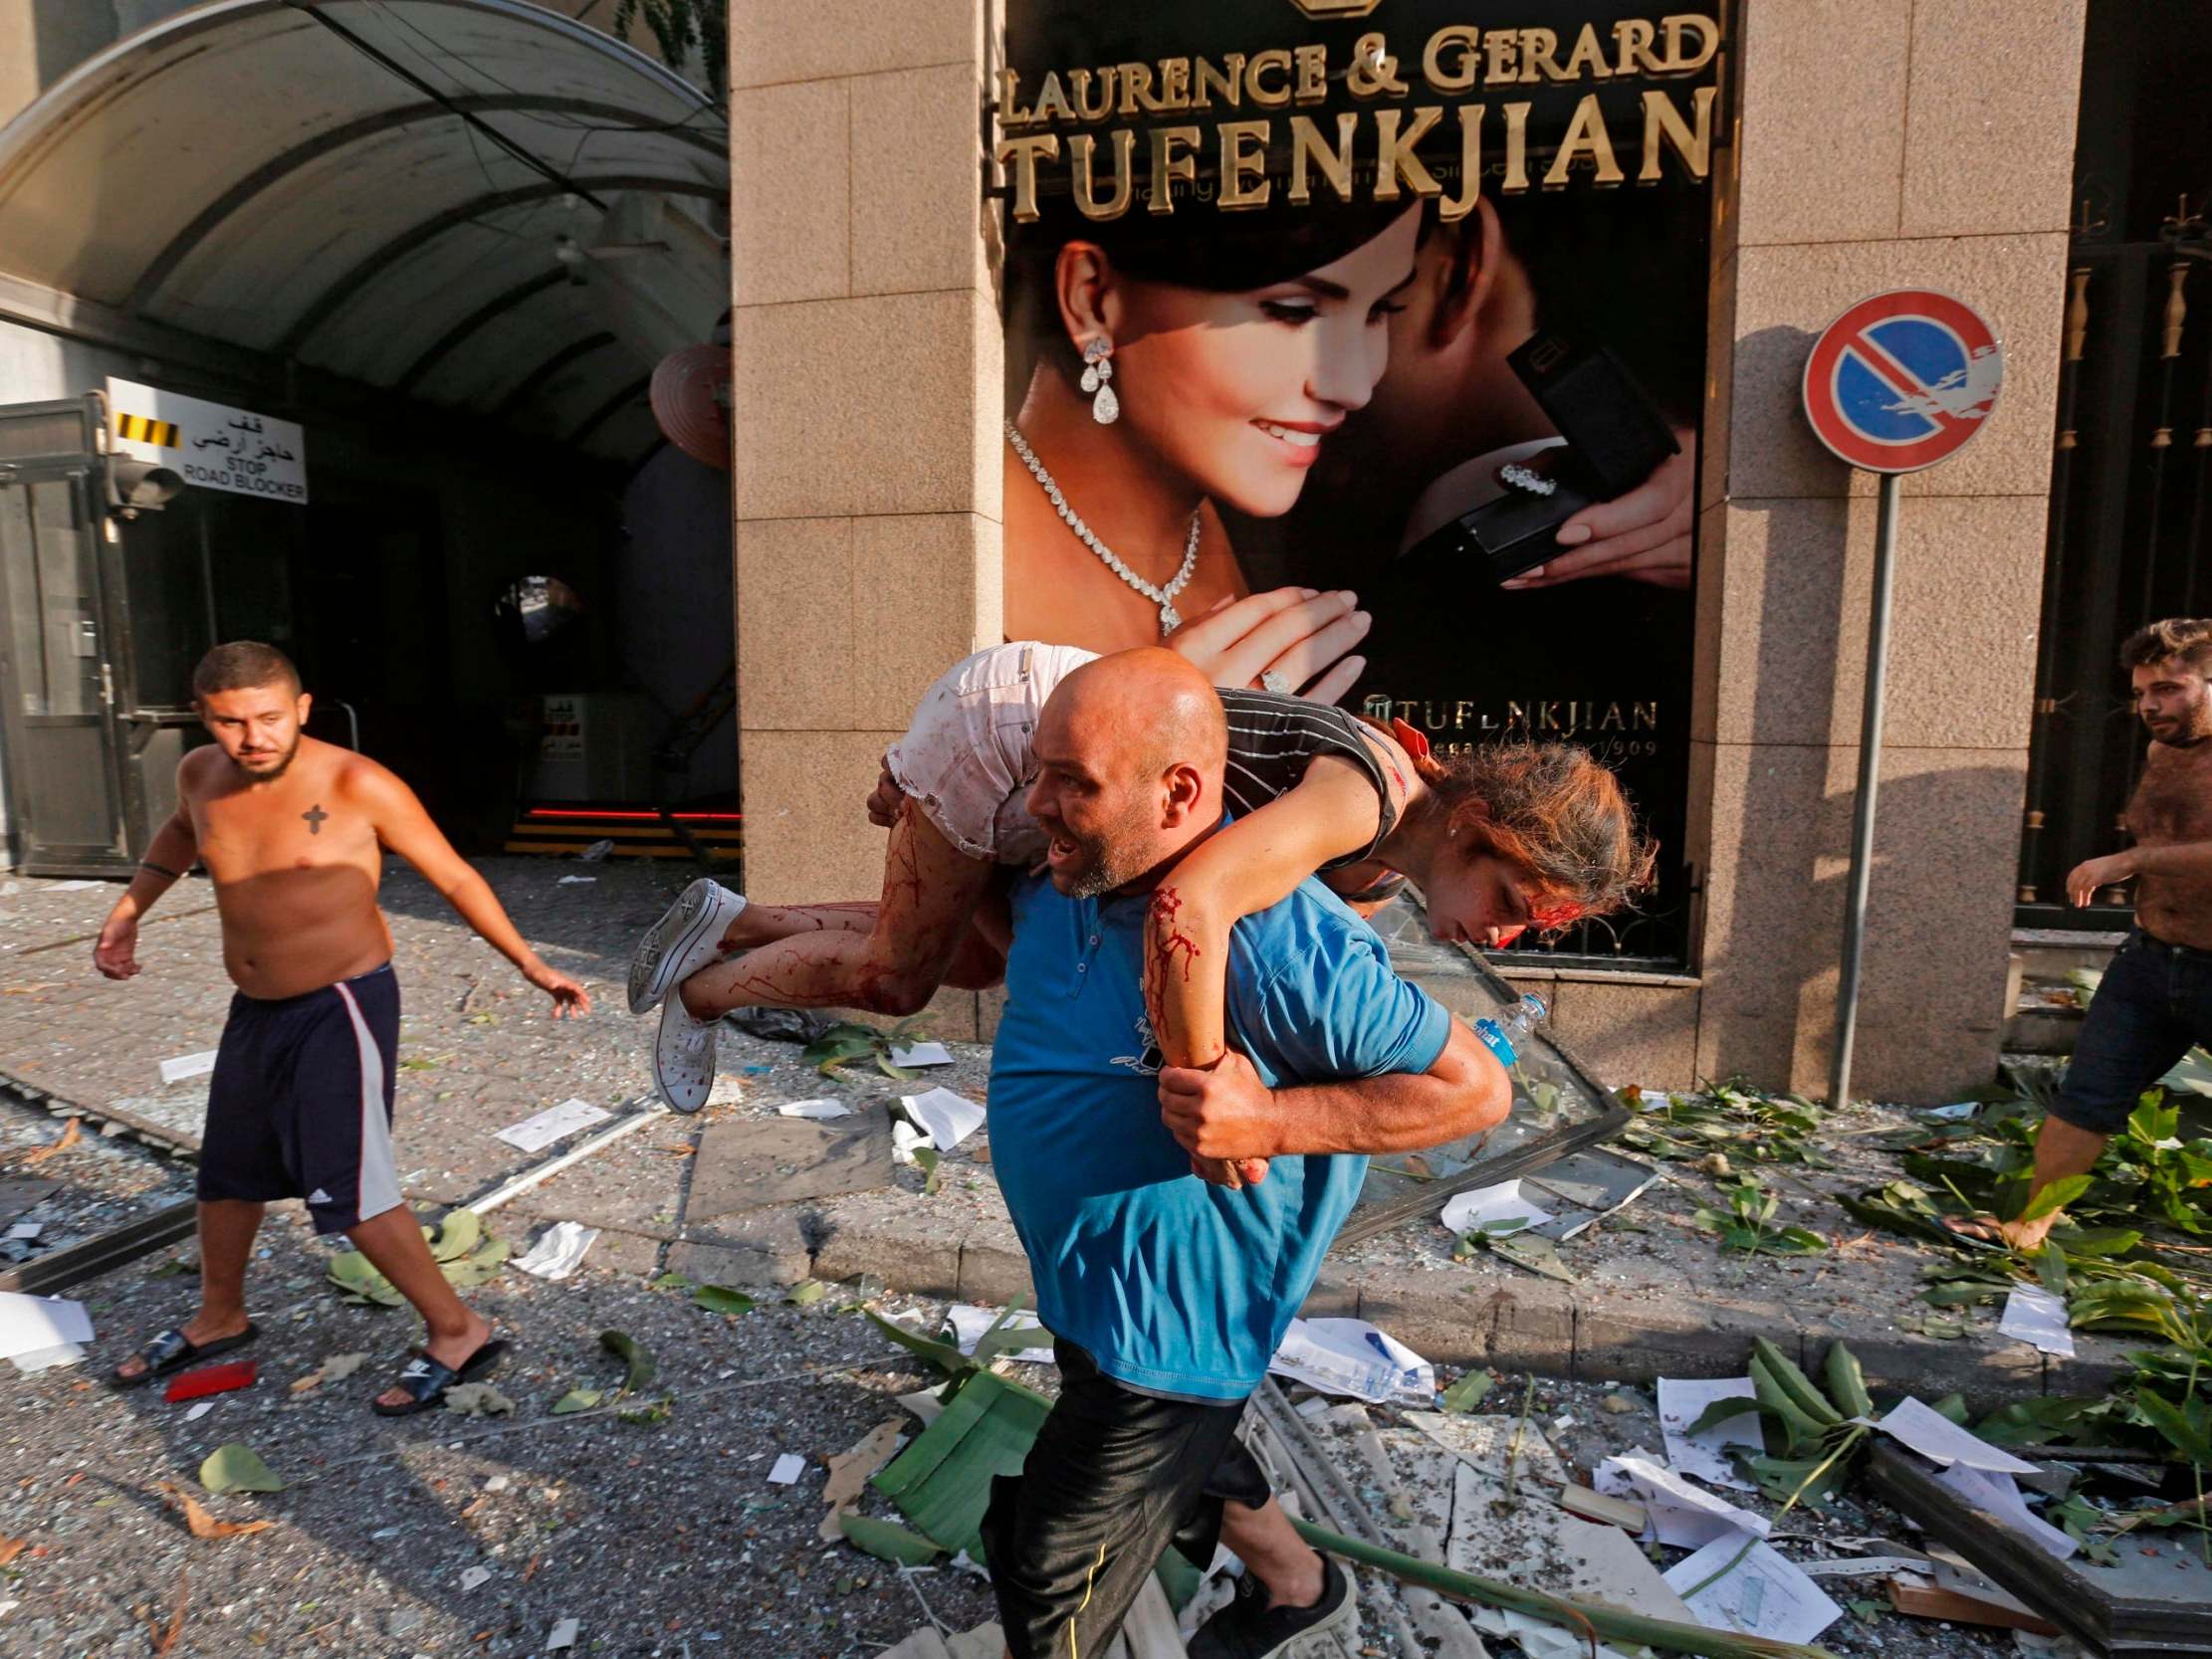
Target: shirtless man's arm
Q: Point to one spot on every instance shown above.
(405, 828)
(2190, 860)
(174, 850)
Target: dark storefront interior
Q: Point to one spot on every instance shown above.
(2130, 533)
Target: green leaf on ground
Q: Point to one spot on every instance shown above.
(887, 1541)
(946, 1357)
(672, 1282)
(1467, 1393)
(657, 1413)
(721, 1299)
(2056, 1196)
(457, 1235)
(805, 1293)
(578, 1399)
(638, 1357)
(1721, 1411)
(238, 1468)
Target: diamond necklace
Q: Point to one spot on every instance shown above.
(1170, 618)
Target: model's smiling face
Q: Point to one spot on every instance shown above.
(1239, 391)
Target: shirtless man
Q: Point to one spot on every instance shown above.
(2155, 999)
(292, 832)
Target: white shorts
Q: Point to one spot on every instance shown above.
(966, 759)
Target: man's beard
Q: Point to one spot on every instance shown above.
(2192, 728)
(271, 774)
(1106, 861)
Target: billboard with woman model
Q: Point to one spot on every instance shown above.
(1370, 341)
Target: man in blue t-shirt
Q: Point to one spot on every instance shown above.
(1168, 1294)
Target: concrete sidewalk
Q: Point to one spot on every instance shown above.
(479, 1051)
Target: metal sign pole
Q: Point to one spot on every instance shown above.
(1870, 779)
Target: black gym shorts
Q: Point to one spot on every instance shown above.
(1114, 1479)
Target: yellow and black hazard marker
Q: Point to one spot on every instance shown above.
(144, 429)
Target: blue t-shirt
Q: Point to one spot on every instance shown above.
(1175, 1285)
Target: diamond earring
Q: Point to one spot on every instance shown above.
(1098, 370)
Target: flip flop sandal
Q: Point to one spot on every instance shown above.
(172, 1351)
(426, 1379)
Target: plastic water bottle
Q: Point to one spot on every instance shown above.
(1503, 1035)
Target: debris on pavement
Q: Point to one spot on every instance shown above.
(1351, 1357)
(1703, 1452)
(557, 1123)
(209, 1380)
(558, 1251)
(182, 1066)
(949, 1118)
(1754, 1590)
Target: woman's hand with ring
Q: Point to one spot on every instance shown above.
(1295, 636)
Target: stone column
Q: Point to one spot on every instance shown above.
(866, 407)
(1878, 144)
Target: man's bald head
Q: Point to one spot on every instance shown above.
(1145, 710)
(1130, 753)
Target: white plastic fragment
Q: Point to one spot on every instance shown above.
(788, 1466)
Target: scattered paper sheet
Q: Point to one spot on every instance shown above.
(1953, 1113)
(969, 1323)
(27, 1229)
(1681, 1401)
(2036, 1317)
(950, 1117)
(729, 1089)
(1764, 1594)
(198, 1411)
(575, 881)
(534, 1134)
(558, 1251)
(815, 1109)
(2000, 1495)
(1676, 1512)
(1939, 1440)
(34, 1324)
(476, 1577)
(1351, 1357)
(788, 1466)
(920, 1054)
(182, 1066)
(44, 1359)
(564, 1633)
(1490, 1207)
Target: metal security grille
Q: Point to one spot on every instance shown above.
(2131, 537)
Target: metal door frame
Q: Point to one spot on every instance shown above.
(81, 470)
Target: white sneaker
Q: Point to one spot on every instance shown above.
(684, 1057)
(685, 939)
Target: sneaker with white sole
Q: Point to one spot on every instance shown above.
(1247, 1628)
(685, 939)
(684, 1057)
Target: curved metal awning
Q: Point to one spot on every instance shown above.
(452, 199)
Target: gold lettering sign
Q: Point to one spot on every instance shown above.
(1371, 149)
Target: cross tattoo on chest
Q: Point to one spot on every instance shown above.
(314, 815)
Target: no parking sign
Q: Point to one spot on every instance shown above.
(1898, 382)
(1902, 381)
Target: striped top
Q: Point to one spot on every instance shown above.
(1273, 737)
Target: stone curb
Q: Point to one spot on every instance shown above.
(1526, 1323)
